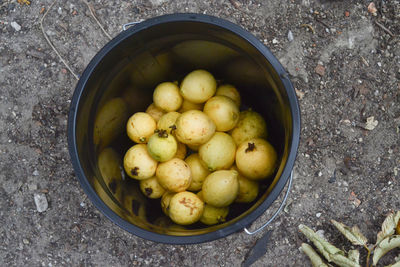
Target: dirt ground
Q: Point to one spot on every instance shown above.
(343, 61)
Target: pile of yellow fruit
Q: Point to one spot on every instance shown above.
(228, 151)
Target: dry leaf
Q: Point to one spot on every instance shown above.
(371, 123)
(299, 94)
(356, 202)
(354, 255)
(326, 249)
(315, 259)
(342, 261)
(385, 246)
(398, 227)
(372, 9)
(388, 226)
(352, 234)
(26, 2)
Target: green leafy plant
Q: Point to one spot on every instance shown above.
(387, 239)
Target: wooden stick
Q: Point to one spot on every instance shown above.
(51, 44)
(95, 18)
(384, 28)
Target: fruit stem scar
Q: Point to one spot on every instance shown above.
(134, 171)
(250, 147)
(162, 133)
(148, 190)
(173, 128)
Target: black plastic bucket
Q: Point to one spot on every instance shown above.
(129, 67)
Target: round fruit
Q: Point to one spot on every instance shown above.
(185, 208)
(155, 112)
(166, 96)
(223, 111)
(162, 146)
(187, 105)
(174, 175)
(256, 159)
(221, 188)
(168, 122)
(140, 127)
(250, 125)
(138, 164)
(213, 215)
(198, 86)
(248, 189)
(194, 127)
(151, 188)
(165, 200)
(229, 91)
(181, 151)
(199, 172)
(219, 152)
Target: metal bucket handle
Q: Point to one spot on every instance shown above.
(247, 231)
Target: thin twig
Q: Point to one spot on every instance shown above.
(235, 3)
(95, 18)
(384, 28)
(51, 44)
(364, 61)
(323, 23)
(308, 26)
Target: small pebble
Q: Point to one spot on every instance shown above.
(290, 36)
(16, 26)
(59, 10)
(275, 41)
(319, 174)
(25, 241)
(318, 214)
(321, 233)
(320, 70)
(158, 2)
(32, 187)
(41, 202)
(35, 173)
(50, 33)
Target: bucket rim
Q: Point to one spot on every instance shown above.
(210, 236)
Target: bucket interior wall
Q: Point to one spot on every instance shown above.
(123, 83)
